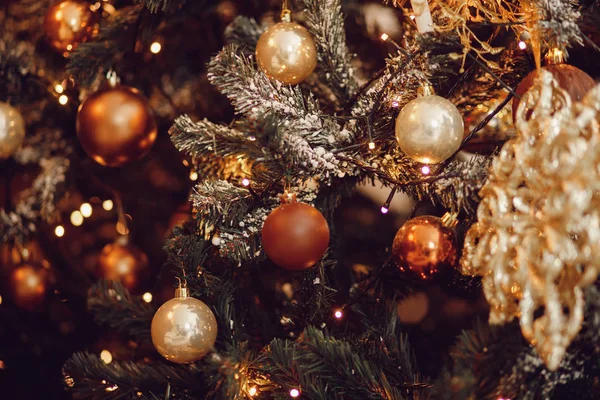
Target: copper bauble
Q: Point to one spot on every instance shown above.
(12, 130)
(123, 262)
(69, 23)
(28, 285)
(295, 236)
(184, 329)
(116, 125)
(286, 52)
(424, 247)
(576, 82)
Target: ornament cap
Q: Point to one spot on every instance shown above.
(555, 56)
(182, 291)
(426, 90)
(450, 220)
(286, 14)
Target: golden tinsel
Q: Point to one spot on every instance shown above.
(537, 239)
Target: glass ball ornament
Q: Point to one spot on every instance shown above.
(69, 23)
(424, 248)
(429, 129)
(116, 125)
(184, 329)
(287, 53)
(12, 130)
(123, 262)
(295, 236)
(576, 82)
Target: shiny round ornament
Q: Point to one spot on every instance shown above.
(184, 329)
(286, 52)
(28, 286)
(295, 236)
(424, 248)
(429, 129)
(12, 130)
(122, 262)
(69, 23)
(576, 82)
(116, 126)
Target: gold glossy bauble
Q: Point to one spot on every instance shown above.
(569, 78)
(116, 126)
(429, 129)
(286, 52)
(69, 23)
(122, 262)
(184, 330)
(424, 247)
(295, 236)
(28, 285)
(12, 130)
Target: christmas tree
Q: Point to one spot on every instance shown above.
(317, 199)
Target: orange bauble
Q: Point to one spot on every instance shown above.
(576, 82)
(122, 262)
(295, 236)
(69, 23)
(28, 285)
(424, 248)
(116, 126)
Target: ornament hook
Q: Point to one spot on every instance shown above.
(286, 13)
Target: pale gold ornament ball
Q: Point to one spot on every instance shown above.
(12, 130)
(286, 52)
(184, 329)
(429, 129)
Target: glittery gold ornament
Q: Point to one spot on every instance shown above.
(12, 130)
(286, 52)
(184, 329)
(429, 129)
(537, 239)
(69, 23)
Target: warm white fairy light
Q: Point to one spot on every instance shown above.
(252, 391)
(76, 218)
(425, 170)
(384, 210)
(63, 99)
(294, 393)
(147, 297)
(385, 37)
(86, 210)
(193, 176)
(106, 356)
(58, 88)
(522, 45)
(338, 314)
(59, 231)
(155, 47)
(371, 145)
(246, 182)
(107, 205)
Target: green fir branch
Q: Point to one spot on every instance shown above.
(112, 305)
(325, 21)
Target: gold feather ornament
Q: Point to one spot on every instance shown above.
(536, 243)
